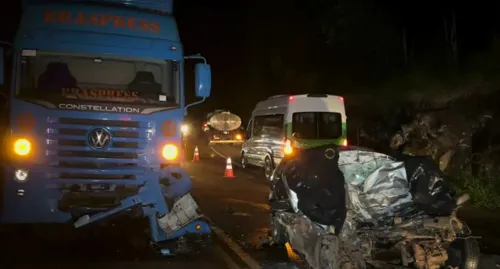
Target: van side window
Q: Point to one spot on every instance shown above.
(268, 126)
(248, 132)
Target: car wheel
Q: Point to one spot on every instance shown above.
(268, 168)
(244, 160)
(464, 254)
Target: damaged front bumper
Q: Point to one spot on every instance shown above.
(40, 199)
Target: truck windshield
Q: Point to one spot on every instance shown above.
(317, 125)
(48, 76)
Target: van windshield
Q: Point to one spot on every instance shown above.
(317, 125)
(89, 78)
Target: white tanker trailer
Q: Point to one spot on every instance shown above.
(223, 127)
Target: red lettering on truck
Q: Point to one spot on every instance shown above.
(101, 20)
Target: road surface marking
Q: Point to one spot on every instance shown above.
(226, 258)
(249, 261)
(257, 205)
(224, 157)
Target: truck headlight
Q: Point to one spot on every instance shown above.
(184, 129)
(170, 152)
(22, 147)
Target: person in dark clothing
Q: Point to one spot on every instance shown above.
(56, 77)
(144, 82)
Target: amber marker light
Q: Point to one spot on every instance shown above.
(170, 152)
(22, 147)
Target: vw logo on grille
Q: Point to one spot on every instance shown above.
(99, 138)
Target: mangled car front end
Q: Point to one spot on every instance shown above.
(363, 209)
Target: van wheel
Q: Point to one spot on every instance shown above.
(244, 160)
(268, 168)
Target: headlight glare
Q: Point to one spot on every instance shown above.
(170, 152)
(22, 147)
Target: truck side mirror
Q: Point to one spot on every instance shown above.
(203, 80)
(1, 66)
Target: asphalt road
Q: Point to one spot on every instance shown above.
(238, 206)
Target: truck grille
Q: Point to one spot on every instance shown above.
(67, 148)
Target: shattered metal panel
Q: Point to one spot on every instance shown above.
(377, 186)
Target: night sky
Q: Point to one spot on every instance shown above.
(261, 48)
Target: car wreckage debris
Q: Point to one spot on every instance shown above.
(364, 209)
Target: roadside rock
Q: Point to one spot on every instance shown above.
(460, 134)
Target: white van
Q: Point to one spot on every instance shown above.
(282, 122)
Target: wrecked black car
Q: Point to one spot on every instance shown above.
(353, 208)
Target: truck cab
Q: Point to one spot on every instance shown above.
(95, 107)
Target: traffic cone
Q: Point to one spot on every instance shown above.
(196, 156)
(229, 169)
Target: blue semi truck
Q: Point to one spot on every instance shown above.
(96, 103)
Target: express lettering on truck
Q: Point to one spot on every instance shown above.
(100, 94)
(102, 20)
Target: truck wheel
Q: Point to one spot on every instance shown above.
(268, 168)
(244, 160)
